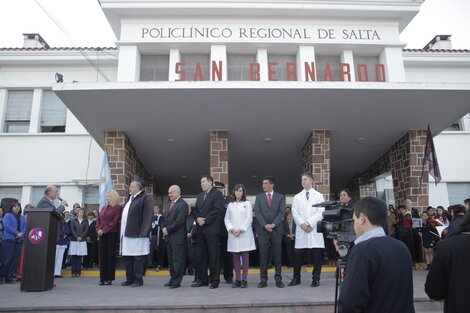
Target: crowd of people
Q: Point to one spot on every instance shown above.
(230, 233)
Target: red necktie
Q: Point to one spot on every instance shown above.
(171, 205)
(270, 200)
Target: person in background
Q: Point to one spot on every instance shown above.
(238, 219)
(288, 238)
(288, 209)
(91, 243)
(78, 247)
(1, 228)
(190, 242)
(442, 216)
(14, 224)
(96, 213)
(19, 266)
(62, 242)
(448, 277)
(404, 231)
(73, 212)
(466, 204)
(155, 238)
(430, 238)
(392, 221)
(66, 258)
(107, 227)
(458, 213)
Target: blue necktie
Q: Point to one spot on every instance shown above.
(306, 194)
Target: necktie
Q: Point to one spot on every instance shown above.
(270, 200)
(306, 194)
(205, 195)
(171, 205)
(132, 198)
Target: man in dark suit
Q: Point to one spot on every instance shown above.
(174, 231)
(47, 201)
(208, 216)
(269, 212)
(136, 222)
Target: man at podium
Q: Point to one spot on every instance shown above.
(47, 201)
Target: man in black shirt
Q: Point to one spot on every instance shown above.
(379, 271)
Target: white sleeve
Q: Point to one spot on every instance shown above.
(228, 223)
(295, 212)
(248, 217)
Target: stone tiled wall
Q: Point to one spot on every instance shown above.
(404, 160)
(219, 156)
(125, 164)
(316, 159)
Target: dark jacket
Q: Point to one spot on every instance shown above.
(448, 277)
(430, 235)
(139, 218)
(92, 232)
(285, 225)
(175, 221)
(454, 223)
(211, 209)
(64, 233)
(79, 229)
(269, 215)
(191, 228)
(374, 267)
(45, 203)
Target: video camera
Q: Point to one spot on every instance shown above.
(338, 224)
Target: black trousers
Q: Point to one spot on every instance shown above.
(135, 266)
(270, 243)
(89, 259)
(177, 261)
(299, 255)
(226, 258)
(208, 256)
(107, 254)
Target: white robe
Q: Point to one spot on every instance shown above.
(132, 246)
(239, 216)
(302, 212)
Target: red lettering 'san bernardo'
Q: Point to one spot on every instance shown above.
(290, 71)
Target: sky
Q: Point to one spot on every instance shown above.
(85, 25)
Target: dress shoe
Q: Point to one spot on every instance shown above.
(57, 276)
(262, 284)
(101, 283)
(199, 284)
(9, 281)
(108, 283)
(174, 286)
(214, 286)
(168, 284)
(236, 284)
(279, 284)
(294, 282)
(315, 283)
(229, 281)
(126, 283)
(244, 284)
(136, 284)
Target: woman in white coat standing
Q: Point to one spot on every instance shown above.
(241, 240)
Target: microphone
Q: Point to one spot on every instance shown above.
(60, 199)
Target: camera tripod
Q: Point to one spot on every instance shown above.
(340, 269)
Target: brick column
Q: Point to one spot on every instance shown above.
(125, 164)
(219, 156)
(316, 159)
(406, 162)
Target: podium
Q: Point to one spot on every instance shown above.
(40, 249)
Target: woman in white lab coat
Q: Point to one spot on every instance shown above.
(241, 240)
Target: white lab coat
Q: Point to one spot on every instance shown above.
(239, 216)
(302, 212)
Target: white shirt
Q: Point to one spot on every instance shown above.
(371, 233)
(132, 246)
(303, 212)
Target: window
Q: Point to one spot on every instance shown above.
(91, 198)
(154, 67)
(18, 111)
(281, 69)
(458, 192)
(53, 113)
(37, 193)
(11, 192)
(321, 62)
(193, 61)
(239, 66)
(369, 68)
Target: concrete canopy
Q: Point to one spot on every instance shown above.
(268, 123)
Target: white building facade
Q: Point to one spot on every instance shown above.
(187, 73)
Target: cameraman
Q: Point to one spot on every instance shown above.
(377, 262)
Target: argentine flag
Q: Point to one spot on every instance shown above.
(106, 183)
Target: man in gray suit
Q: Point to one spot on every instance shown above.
(47, 201)
(174, 232)
(269, 213)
